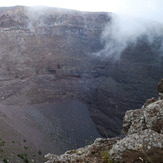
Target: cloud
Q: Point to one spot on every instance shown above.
(134, 19)
(147, 9)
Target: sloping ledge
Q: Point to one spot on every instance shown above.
(95, 153)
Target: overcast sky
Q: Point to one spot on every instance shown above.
(87, 5)
(91, 5)
(151, 9)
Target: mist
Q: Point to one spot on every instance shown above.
(132, 20)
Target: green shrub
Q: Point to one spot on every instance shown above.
(39, 152)
(26, 147)
(24, 157)
(5, 160)
(21, 156)
(26, 160)
(106, 158)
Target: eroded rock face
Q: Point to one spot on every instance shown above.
(148, 117)
(48, 54)
(144, 134)
(160, 89)
(94, 153)
(143, 146)
(143, 142)
(160, 86)
(45, 69)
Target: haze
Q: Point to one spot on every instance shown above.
(151, 9)
(134, 18)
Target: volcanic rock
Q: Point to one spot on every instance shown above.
(144, 135)
(160, 89)
(143, 146)
(49, 63)
(148, 117)
(143, 142)
(94, 153)
(160, 86)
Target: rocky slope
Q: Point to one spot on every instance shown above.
(96, 152)
(143, 141)
(48, 68)
(144, 134)
(44, 92)
(46, 54)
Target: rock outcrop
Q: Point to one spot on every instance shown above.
(143, 141)
(149, 117)
(143, 146)
(50, 73)
(94, 153)
(160, 89)
(144, 134)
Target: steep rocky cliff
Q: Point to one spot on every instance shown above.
(144, 134)
(51, 78)
(46, 79)
(143, 141)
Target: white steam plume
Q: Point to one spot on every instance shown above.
(133, 19)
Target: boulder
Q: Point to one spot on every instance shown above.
(143, 129)
(160, 89)
(94, 153)
(144, 134)
(144, 146)
(150, 116)
(160, 86)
